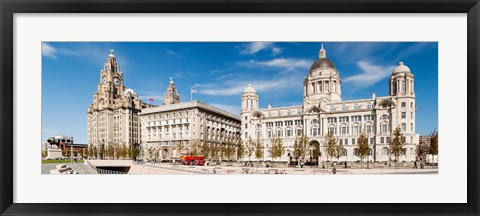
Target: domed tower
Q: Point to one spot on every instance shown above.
(249, 104)
(401, 81)
(323, 81)
(249, 99)
(402, 91)
(171, 96)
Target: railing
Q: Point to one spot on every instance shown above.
(104, 171)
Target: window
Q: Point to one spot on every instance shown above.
(356, 129)
(355, 107)
(332, 120)
(289, 112)
(369, 106)
(344, 152)
(299, 111)
(356, 118)
(246, 135)
(245, 117)
(385, 151)
(341, 141)
(369, 128)
(411, 105)
(315, 121)
(344, 130)
(353, 141)
(332, 109)
(384, 117)
(411, 115)
(344, 108)
(404, 115)
(404, 127)
(246, 126)
(388, 139)
(343, 119)
(346, 141)
(269, 133)
(299, 132)
(404, 104)
(382, 140)
(384, 128)
(368, 118)
(355, 152)
(372, 140)
(278, 113)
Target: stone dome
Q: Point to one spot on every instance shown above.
(401, 68)
(130, 91)
(250, 89)
(321, 63)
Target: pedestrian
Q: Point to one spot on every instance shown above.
(346, 165)
(334, 170)
(415, 164)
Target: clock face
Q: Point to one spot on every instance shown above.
(116, 81)
(104, 79)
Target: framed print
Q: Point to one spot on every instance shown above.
(243, 107)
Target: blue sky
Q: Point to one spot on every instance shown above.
(220, 71)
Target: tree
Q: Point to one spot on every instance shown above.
(180, 147)
(250, 148)
(110, 151)
(422, 150)
(338, 151)
(241, 151)
(214, 152)
(330, 145)
(301, 148)
(434, 143)
(362, 147)
(229, 150)
(259, 149)
(277, 148)
(194, 147)
(134, 152)
(205, 150)
(396, 145)
(88, 151)
(44, 153)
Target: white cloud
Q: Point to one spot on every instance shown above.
(229, 108)
(53, 52)
(48, 51)
(370, 75)
(286, 63)
(236, 87)
(254, 47)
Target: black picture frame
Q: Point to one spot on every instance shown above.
(9, 8)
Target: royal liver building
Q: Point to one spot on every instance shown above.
(113, 115)
(323, 110)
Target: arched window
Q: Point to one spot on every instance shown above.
(370, 152)
(344, 152)
(355, 152)
(404, 104)
(385, 151)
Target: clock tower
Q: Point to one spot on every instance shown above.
(113, 115)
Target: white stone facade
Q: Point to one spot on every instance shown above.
(323, 110)
(164, 127)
